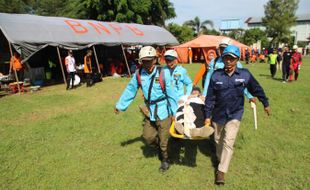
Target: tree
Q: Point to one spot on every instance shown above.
(253, 35)
(183, 33)
(137, 11)
(198, 26)
(15, 6)
(279, 18)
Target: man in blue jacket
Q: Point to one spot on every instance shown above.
(177, 75)
(160, 103)
(218, 64)
(225, 105)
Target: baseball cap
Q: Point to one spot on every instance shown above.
(171, 55)
(225, 42)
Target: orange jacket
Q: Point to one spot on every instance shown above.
(87, 64)
(200, 73)
(15, 63)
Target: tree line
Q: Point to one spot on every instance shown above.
(279, 17)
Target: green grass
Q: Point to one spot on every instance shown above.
(58, 139)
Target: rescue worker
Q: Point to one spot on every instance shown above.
(161, 103)
(190, 55)
(218, 64)
(295, 63)
(286, 64)
(16, 65)
(71, 69)
(272, 60)
(211, 54)
(225, 105)
(88, 68)
(177, 75)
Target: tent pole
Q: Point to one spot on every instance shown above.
(15, 73)
(126, 60)
(61, 66)
(97, 62)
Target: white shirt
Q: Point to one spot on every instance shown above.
(70, 63)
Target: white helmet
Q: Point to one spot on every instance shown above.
(147, 52)
(295, 47)
(225, 42)
(171, 54)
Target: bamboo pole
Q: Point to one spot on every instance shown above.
(61, 66)
(126, 60)
(15, 73)
(96, 58)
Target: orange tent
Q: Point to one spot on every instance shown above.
(202, 45)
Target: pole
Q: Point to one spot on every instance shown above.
(15, 73)
(126, 60)
(96, 59)
(253, 106)
(61, 66)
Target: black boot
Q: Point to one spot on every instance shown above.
(164, 166)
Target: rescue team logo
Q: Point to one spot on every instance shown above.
(102, 27)
(239, 80)
(219, 83)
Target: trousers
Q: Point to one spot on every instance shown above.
(224, 137)
(156, 134)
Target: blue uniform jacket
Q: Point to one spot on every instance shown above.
(179, 78)
(163, 108)
(225, 99)
(220, 65)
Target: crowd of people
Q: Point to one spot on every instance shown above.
(164, 89)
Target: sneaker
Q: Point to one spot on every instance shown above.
(164, 166)
(220, 178)
(179, 128)
(284, 81)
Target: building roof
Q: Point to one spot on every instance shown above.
(258, 20)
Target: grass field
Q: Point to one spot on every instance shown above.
(58, 139)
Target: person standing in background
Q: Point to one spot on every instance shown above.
(16, 65)
(286, 62)
(190, 55)
(88, 68)
(71, 69)
(295, 63)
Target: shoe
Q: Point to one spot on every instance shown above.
(164, 166)
(283, 81)
(179, 128)
(220, 178)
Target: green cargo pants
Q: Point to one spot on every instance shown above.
(156, 133)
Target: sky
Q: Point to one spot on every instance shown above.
(216, 10)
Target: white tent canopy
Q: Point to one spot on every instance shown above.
(30, 33)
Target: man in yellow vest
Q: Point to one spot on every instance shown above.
(272, 60)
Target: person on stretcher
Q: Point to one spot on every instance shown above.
(190, 116)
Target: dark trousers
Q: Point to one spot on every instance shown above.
(89, 79)
(156, 134)
(273, 69)
(70, 78)
(285, 71)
